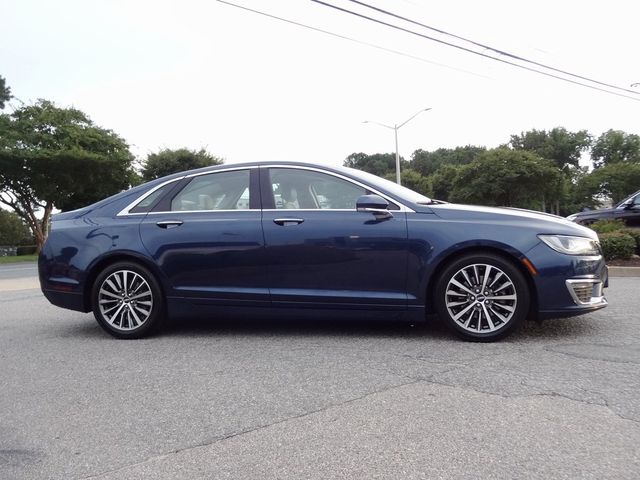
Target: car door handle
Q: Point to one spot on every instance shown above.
(288, 221)
(169, 223)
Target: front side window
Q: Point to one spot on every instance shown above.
(214, 191)
(309, 190)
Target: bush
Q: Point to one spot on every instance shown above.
(617, 245)
(28, 250)
(607, 226)
(635, 233)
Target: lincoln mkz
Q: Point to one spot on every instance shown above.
(314, 241)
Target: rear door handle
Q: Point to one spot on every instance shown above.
(169, 223)
(288, 221)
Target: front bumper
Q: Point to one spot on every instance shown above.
(568, 285)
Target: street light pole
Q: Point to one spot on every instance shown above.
(395, 128)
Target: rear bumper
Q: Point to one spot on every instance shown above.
(70, 300)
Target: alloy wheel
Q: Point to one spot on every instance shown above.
(125, 300)
(481, 298)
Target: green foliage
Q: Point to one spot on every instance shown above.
(412, 180)
(559, 145)
(615, 146)
(168, 161)
(380, 164)
(616, 181)
(26, 250)
(505, 177)
(635, 233)
(617, 245)
(5, 92)
(608, 226)
(427, 163)
(443, 182)
(57, 157)
(12, 230)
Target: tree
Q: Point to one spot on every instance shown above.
(380, 164)
(564, 148)
(616, 181)
(56, 157)
(412, 180)
(426, 163)
(510, 178)
(12, 230)
(168, 161)
(5, 92)
(443, 182)
(615, 146)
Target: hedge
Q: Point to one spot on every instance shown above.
(26, 250)
(617, 245)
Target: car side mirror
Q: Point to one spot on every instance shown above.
(373, 204)
(628, 205)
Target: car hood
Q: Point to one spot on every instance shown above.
(543, 223)
(597, 212)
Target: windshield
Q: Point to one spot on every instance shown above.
(389, 186)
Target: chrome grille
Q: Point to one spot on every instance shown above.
(583, 292)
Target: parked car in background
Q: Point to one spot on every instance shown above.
(317, 241)
(627, 210)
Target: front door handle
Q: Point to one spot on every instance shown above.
(288, 221)
(169, 223)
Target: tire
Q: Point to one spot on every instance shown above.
(132, 312)
(478, 314)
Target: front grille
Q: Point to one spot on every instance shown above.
(583, 292)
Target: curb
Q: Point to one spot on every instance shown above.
(615, 271)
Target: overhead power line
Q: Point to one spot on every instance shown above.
(474, 52)
(493, 49)
(351, 39)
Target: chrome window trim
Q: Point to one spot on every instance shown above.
(175, 212)
(125, 211)
(402, 207)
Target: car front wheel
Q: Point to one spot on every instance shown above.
(482, 297)
(127, 300)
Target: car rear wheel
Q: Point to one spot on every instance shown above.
(482, 297)
(127, 300)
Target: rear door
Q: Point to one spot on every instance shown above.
(207, 238)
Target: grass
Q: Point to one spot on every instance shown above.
(18, 259)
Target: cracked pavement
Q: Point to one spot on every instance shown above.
(245, 399)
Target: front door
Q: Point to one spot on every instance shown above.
(322, 252)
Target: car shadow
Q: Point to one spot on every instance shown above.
(431, 329)
(299, 327)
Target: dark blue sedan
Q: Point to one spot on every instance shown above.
(314, 241)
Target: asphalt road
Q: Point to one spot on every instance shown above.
(318, 400)
(18, 270)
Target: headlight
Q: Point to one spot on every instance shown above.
(572, 217)
(571, 245)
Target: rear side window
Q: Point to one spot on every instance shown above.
(146, 204)
(214, 191)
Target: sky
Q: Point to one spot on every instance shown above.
(171, 74)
